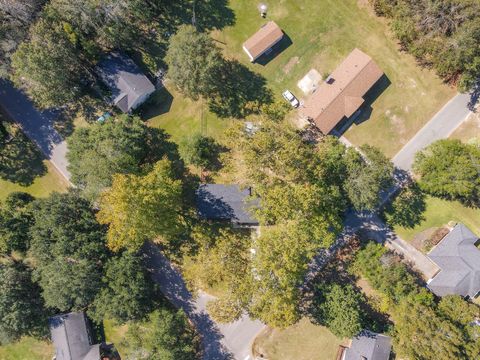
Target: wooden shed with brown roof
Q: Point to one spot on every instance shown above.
(341, 95)
(263, 40)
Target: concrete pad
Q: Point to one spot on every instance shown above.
(309, 82)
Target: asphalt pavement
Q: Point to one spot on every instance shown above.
(220, 341)
(439, 127)
(36, 124)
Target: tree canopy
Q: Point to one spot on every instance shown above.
(192, 60)
(166, 335)
(443, 34)
(21, 308)
(449, 168)
(340, 310)
(122, 146)
(368, 175)
(68, 247)
(140, 208)
(15, 221)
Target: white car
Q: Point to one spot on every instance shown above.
(291, 98)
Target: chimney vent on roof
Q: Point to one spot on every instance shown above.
(330, 80)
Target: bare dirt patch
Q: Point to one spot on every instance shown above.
(291, 63)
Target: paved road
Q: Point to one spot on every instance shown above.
(220, 342)
(439, 127)
(37, 125)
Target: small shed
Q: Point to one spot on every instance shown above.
(263, 40)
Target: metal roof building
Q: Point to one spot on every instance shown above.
(368, 346)
(72, 338)
(226, 203)
(459, 261)
(128, 84)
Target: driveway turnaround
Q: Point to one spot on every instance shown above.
(36, 124)
(220, 342)
(441, 126)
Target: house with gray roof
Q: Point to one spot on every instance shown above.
(127, 83)
(458, 258)
(226, 203)
(368, 345)
(72, 338)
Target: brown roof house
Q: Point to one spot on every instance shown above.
(263, 40)
(341, 95)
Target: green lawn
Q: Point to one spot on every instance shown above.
(27, 349)
(181, 117)
(116, 334)
(302, 341)
(440, 212)
(322, 34)
(41, 187)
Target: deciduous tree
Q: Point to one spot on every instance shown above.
(140, 208)
(192, 60)
(166, 335)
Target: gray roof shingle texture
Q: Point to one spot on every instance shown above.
(226, 202)
(71, 338)
(459, 260)
(124, 79)
(369, 345)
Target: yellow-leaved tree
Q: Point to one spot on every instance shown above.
(140, 208)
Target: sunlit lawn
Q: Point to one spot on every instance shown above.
(41, 187)
(323, 32)
(27, 349)
(302, 341)
(469, 129)
(441, 212)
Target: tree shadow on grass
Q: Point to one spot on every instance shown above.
(238, 92)
(407, 209)
(20, 160)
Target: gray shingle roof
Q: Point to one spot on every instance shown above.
(226, 202)
(71, 337)
(459, 260)
(124, 79)
(370, 346)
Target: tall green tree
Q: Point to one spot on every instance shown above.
(192, 60)
(48, 66)
(68, 249)
(15, 220)
(201, 151)
(21, 306)
(128, 292)
(449, 168)
(140, 208)
(166, 335)
(368, 175)
(122, 146)
(340, 311)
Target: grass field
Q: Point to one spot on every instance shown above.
(41, 187)
(27, 349)
(302, 341)
(440, 212)
(115, 334)
(181, 117)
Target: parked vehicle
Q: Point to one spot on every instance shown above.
(291, 98)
